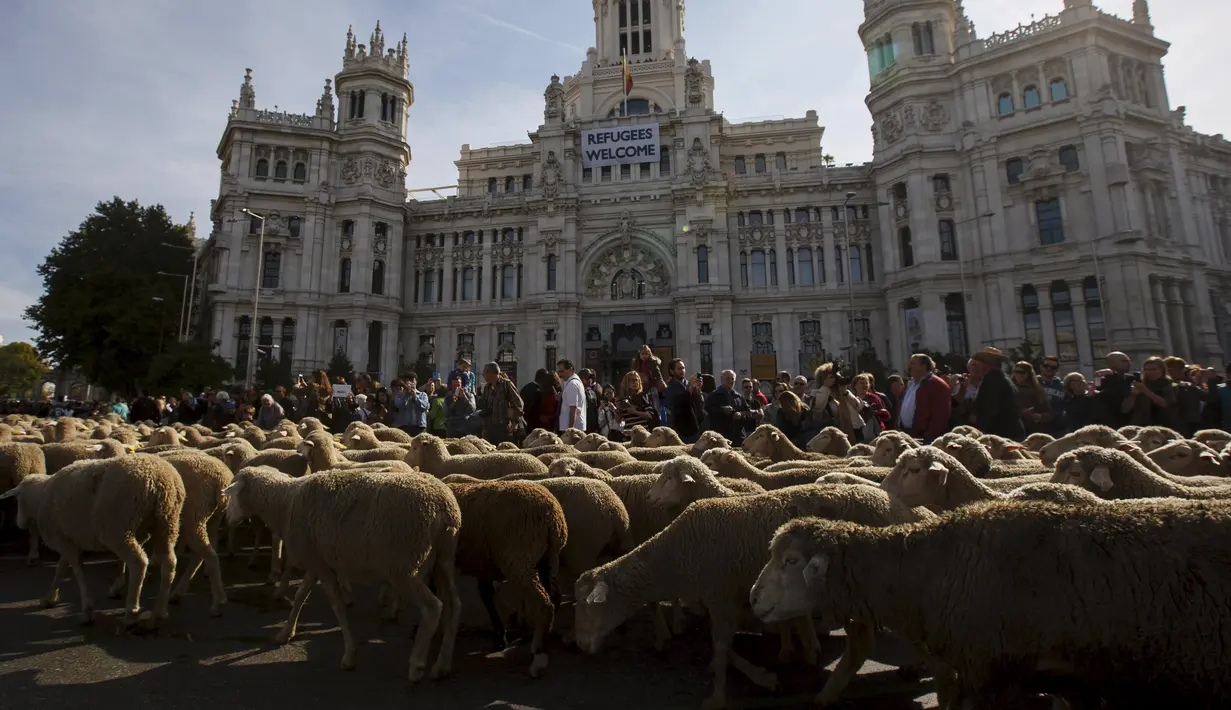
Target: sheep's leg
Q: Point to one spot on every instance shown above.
(86, 615)
(387, 597)
(116, 590)
(538, 605)
(301, 595)
(329, 581)
(860, 640)
(53, 595)
(487, 592)
(722, 633)
(256, 527)
(32, 554)
(277, 557)
(806, 629)
(203, 553)
(444, 579)
(134, 557)
(284, 584)
(430, 610)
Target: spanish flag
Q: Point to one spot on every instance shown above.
(628, 77)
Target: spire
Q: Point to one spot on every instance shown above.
(247, 94)
(192, 225)
(376, 46)
(965, 28)
(350, 42)
(1141, 14)
(324, 105)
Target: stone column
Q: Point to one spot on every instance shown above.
(447, 295)
(1047, 316)
(1085, 350)
(781, 262)
(1160, 307)
(1176, 310)
(935, 328)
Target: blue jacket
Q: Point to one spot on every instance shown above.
(411, 409)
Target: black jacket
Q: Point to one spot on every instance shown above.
(996, 409)
(726, 424)
(685, 410)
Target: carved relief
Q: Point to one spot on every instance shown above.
(892, 128)
(386, 173)
(380, 245)
(699, 166)
(350, 171)
(553, 99)
(622, 260)
(467, 255)
(552, 175)
(693, 82)
(1041, 164)
(389, 173)
(346, 244)
(507, 252)
(934, 117)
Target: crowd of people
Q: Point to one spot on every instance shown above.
(997, 397)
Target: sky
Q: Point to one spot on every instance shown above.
(130, 97)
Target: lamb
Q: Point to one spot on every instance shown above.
(108, 504)
(658, 454)
(1152, 437)
(1216, 439)
(605, 459)
(528, 560)
(590, 442)
(377, 527)
(1129, 432)
(733, 465)
(831, 441)
(430, 455)
(389, 434)
(1004, 557)
(663, 436)
(322, 453)
(1182, 457)
(684, 480)
(931, 478)
(19, 460)
(1113, 474)
(540, 437)
(889, 445)
(1036, 441)
(671, 565)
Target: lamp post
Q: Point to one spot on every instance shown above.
(183, 301)
(192, 290)
(256, 299)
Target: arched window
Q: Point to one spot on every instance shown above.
(739, 219)
(262, 169)
(509, 184)
(743, 269)
(703, 264)
(807, 277)
(1004, 104)
(280, 170)
(948, 241)
(384, 107)
(856, 264)
(627, 285)
(1095, 320)
(1031, 318)
(508, 282)
(758, 269)
(378, 277)
(773, 267)
(1031, 97)
(301, 172)
(955, 319)
(1059, 90)
(468, 283)
(634, 107)
(429, 286)
(354, 105)
(906, 247)
(1066, 328)
(344, 276)
(551, 272)
(363, 97)
(270, 269)
(867, 266)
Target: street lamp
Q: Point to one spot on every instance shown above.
(183, 300)
(192, 290)
(256, 297)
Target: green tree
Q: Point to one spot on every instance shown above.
(98, 313)
(271, 373)
(186, 366)
(20, 370)
(340, 366)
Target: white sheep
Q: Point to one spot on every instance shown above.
(430, 455)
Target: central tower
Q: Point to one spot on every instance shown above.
(644, 30)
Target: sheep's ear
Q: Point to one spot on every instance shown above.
(599, 594)
(97, 447)
(686, 478)
(954, 446)
(233, 488)
(774, 436)
(355, 437)
(1101, 476)
(729, 456)
(309, 443)
(1013, 447)
(814, 571)
(941, 471)
(1128, 447)
(1208, 456)
(284, 432)
(10, 493)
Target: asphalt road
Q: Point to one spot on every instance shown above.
(47, 660)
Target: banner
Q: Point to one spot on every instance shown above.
(619, 145)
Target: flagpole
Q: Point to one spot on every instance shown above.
(624, 79)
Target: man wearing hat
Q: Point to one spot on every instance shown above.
(995, 407)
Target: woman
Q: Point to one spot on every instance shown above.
(965, 390)
(1080, 404)
(636, 405)
(792, 413)
(773, 412)
(609, 416)
(542, 401)
(875, 414)
(382, 404)
(650, 369)
(435, 410)
(839, 406)
(459, 408)
(320, 399)
(1032, 400)
(1152, 400)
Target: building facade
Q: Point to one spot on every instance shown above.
(1032, 185)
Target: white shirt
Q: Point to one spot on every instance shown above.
(573, 395)
(906, 417)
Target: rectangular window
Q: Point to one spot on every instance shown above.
(763, 338)
(805, 267)
(940, 183)
(527, 182)
(376, 333)
(587, 174)
(468, 284)
(645, 171)
(1069, 159)
(550, 358)
(1051, 225)
(707, 358)
(626, 171)
(429, 286)
(269, 274)
(664, 160)
(758, 269)
(606, 173)
(759, 163)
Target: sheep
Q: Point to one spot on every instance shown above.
(658, 454)
(515, 530)
(1036, 441)
(663, 436)
(380, 527)
(605, 459)
(322, 453)
(430, 455)
(59, 455)
(1001, 448)
(769, 441)
(1129, 432)
(670, 565)
(1141, 650)
(831, 441)
(1216, 439)
(967, 430)
(506, 446)
(847, 478)
(980, 462)
(861, 450)
(590, 442)
(637, 435)
(1152, 437)
(540, 437)
(1113, 474)
(285, 438)
(361, 437)
(1186, 458)
(108, 504)
(1058, 493)
(570, 467)
(684, 480)
(597, 522)
(932, 478)
(204, 477)
(17, 461)
(733, 465)
(889, 445)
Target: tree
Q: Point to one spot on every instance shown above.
(272, 373)
(98, 312)
(186, 366)
(340, 366)
(947, 363)
(20, 370)
(1026, 352)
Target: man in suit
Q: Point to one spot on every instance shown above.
(995, 407)
(926, 404)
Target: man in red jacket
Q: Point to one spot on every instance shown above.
(927, 404)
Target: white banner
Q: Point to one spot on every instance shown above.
(619, 145)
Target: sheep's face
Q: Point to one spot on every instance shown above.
(674, 479)
(562, 468)
(1000, 448)
(590, 442)
(1213, 438)
(1151, 438)
(1085, 470)
(637, 435)
(710, 440)
(1093, 435)
(917, 480)
(888, 449)
(602, 605)
(758, 442)
(970, 453)
(27, 497)
(238, 502)
(781, 591)
(1035, 442)
(572, 436)
(1183, 458)
(832, 441)
(414, 456)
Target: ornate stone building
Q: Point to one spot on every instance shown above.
(1033, 184)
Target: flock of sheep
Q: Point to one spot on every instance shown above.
(1094, 568)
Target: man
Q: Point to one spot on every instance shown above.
(728, 412)
(462, 372)
(501, 406)
(572, 397)
(685, 408)
(1188, 395)
(1115, 384)
(411, 406)
(592, 395)
(926, 404)
(270, 414)
(802, 390)
(995, 410)
(1053, 385)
